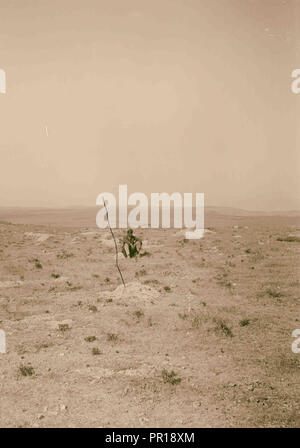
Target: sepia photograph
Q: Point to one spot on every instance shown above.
(149, 217)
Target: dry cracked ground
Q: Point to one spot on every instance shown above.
(200, 337)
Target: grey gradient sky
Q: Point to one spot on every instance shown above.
(162, 95)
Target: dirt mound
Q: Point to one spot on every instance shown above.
(134, 292)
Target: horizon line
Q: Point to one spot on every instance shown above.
(81, 206)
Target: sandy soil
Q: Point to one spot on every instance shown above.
(200, 337)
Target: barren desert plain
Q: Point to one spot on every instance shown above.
(200, 337)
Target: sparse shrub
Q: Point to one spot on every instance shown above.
(26, 370)
(289, 239)
(53, 275)
(63, 327)
(167, 288)
(43, 345)
(141, 273)
(151, 282)
(170, 377)
(112, 337)
(64, 255)
(197, 321)
(139, 314)
(38, 264)
(222, 279)
(93, 308)
(183, 316)
(90, 338)
(223, 327)
(244, 322)
(96, 351)
(273, 293)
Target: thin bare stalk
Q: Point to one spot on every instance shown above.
(116, 247)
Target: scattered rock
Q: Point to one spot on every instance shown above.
(10, 284)
(200, 233)
(38, 237)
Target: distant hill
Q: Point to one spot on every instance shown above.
(240, 212)
(86, 216)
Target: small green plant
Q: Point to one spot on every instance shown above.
(63, 327)
(223, 327)
(96, 351)
(273, 293)
(90, 338)
(38, 265)
(93, 308)
(167, 288)
(53, 275)
(112, 337)
(151, 282)
(139, 314)
(197, 321)
(64, 255)
(244, 322)
(170, 377)
(26, 370)
(141, 273)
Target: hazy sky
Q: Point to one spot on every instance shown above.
(162, 95)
